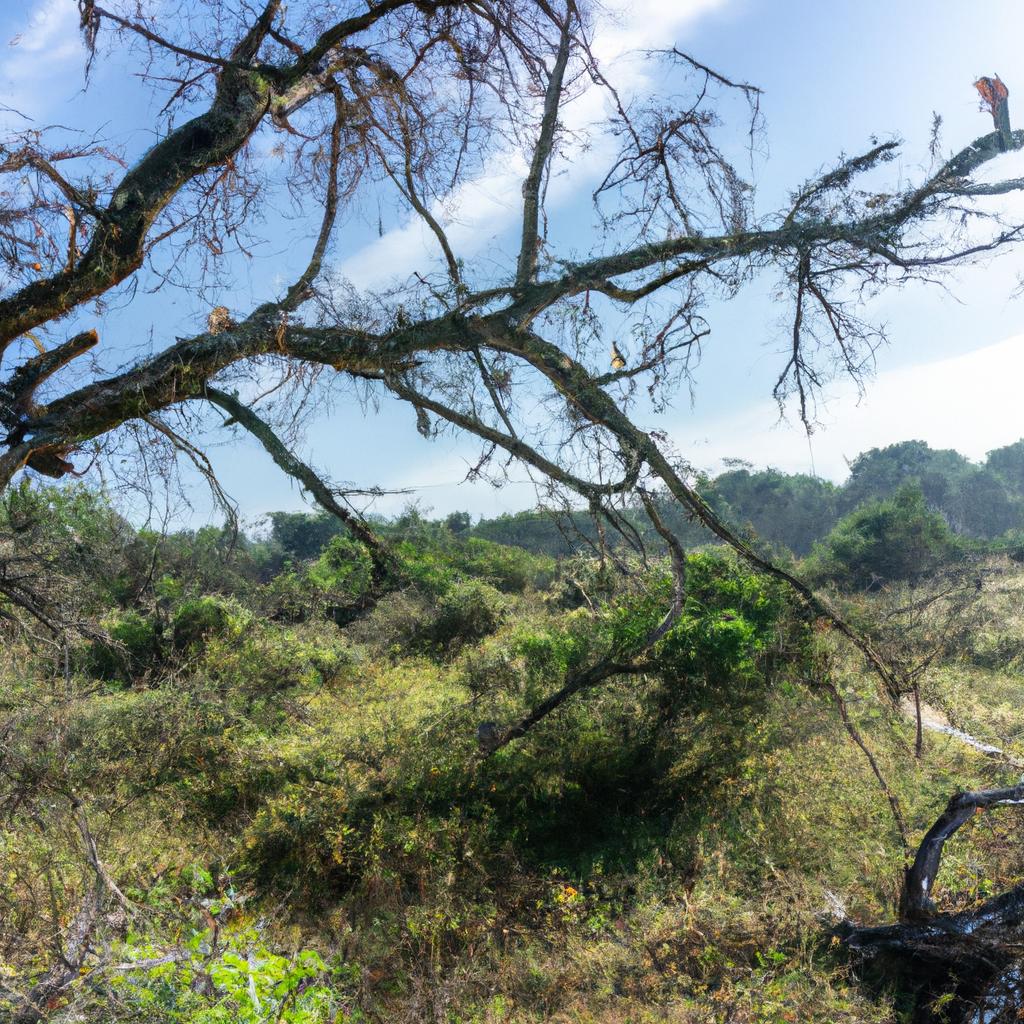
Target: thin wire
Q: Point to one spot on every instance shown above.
(452, 483)
(810, 449)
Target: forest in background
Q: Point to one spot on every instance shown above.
(788, 512)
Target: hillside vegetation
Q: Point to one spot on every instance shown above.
(791, 511)
(278, 787)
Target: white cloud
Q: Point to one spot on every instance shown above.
(970, 403)
(48, 41)
(646, 24)
(486, 206)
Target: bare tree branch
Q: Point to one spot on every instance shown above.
(542, 156)
(383, 560)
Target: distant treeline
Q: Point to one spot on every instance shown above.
(784, 510)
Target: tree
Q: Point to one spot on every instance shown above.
(303, 535)
(792, 510)
(403, 102)
(884, 542)
(458, 522)
(881, 472)
(973, 499)
(1008, 464)
(984, 506)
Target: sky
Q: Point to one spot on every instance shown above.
(833, 76)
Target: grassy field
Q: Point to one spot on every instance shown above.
(297, 824)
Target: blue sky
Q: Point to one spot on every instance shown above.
(833, 75)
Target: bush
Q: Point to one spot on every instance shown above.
(1011, 544)
(884, 541)
(467, 613)
(264, 659)
(343, 569)
(133, 649)
(199, 619)
(292, 597)
(510, 569)
(240, 980)
(413, 622)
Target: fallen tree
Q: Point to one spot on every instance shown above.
(967, 952)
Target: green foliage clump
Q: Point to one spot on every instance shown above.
(731, 620)
(262, 658)
(134, 649)
(236, 980)
(465, 614)
(510, 569)
(1008, 464)
(200, 619)
(410, 622)
(790, 510)
(535, 532)
(1011, 544)
(302, 834)
(550, 653)
(343, 569)
(302, 535)
(291, 596)
(885, 541)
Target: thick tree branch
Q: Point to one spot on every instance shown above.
(576, 683)
(920, 877)
(17, 392)
(976, 943)
(118, 243)
(383, 561)
(35, 1005)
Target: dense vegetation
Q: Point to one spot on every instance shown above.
(786, 511)
(283, 785)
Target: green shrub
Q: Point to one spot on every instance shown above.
(489, 667)
(580, 580)
(467, 613)
(413, 622)
(736, 635)
(343, 568)
(549, 654)
(1011, 544)
(292, 596)
(426, 566)
(133, 649)
(240, 981)
(393, 627)
(266, 658)
(302, 834)
(884, 541)
(197, 620)
(510, 569)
